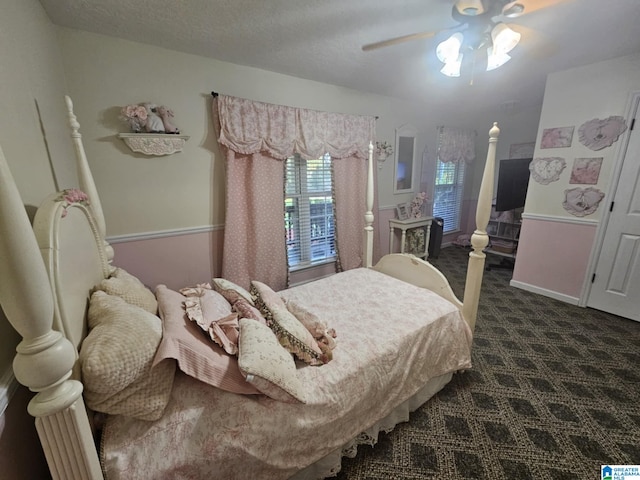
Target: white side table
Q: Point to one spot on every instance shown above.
(408, 224)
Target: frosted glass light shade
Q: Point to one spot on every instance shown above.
(495, 60)
(449, 50)
(452, 68)
(504, 39)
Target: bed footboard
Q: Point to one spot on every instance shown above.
(421, 273)
(416, 271)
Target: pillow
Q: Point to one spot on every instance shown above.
(290, 332)
(323, 335)
(266, 365)
(196, 354)
(310, 320)
(116, 358)
(209, 310)
(221, 285)
(126, 286)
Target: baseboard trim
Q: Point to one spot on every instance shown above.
(135, 237)
(547, 293)
(8, 386)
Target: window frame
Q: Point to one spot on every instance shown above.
(302, 201)
(457, 184)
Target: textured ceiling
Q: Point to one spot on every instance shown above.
(321, 40)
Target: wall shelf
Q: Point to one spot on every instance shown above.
(156, 144)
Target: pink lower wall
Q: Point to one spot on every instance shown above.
(176, 261)
(554, 255)
(187, 258)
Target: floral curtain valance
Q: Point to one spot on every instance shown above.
(248, 127)
(456, 145)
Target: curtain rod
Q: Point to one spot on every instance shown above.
(215, 94)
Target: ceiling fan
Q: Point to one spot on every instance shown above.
(479, 28)
(475, 14)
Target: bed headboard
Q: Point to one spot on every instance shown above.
(73, 251)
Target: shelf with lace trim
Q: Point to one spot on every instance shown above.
(154, 144)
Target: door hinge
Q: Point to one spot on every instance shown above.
(611, 206)
(633, 122)
(593, 278)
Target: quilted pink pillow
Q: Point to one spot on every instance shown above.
(292, 334)
(196, 354)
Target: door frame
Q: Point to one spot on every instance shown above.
(633, 106)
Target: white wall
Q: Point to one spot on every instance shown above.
(187, 189)
(141, 194)
(571, 98)
(555, 246)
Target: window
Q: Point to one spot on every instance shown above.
(447, 198)
(308, 216)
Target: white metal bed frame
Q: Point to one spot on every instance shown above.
(46, 301)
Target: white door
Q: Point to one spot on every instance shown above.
(616, 285)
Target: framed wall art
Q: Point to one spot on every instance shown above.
(598, 134)
(403, 210)
(582, 201)
(557, 137)
(586, 171)
(547, 170)
(521, 150)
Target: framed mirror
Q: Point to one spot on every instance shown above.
(404, 159)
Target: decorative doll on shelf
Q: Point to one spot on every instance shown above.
(154, 122)
(166, 114)
(135, 116)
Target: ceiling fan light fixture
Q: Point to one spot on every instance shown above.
(496, 59)
(513, 10)
(449, 50)
(452, 68)
(470, 8)
(504, 39)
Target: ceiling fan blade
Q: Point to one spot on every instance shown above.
(397, 40)
(531, 6)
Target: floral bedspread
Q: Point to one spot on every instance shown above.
(391, 339)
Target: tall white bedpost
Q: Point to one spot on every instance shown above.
(368, 216)
(85, 178)
(44, 357)
(480, 239)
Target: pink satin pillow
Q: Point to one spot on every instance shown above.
(197, 355)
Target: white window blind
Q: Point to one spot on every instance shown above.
(309, 227)
(447, 199)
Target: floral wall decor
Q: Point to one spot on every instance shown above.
(547, 170)
(383, 151)
(149, 118)
(556, 137)
(598, 134)
(582, 201)
(586, 171)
